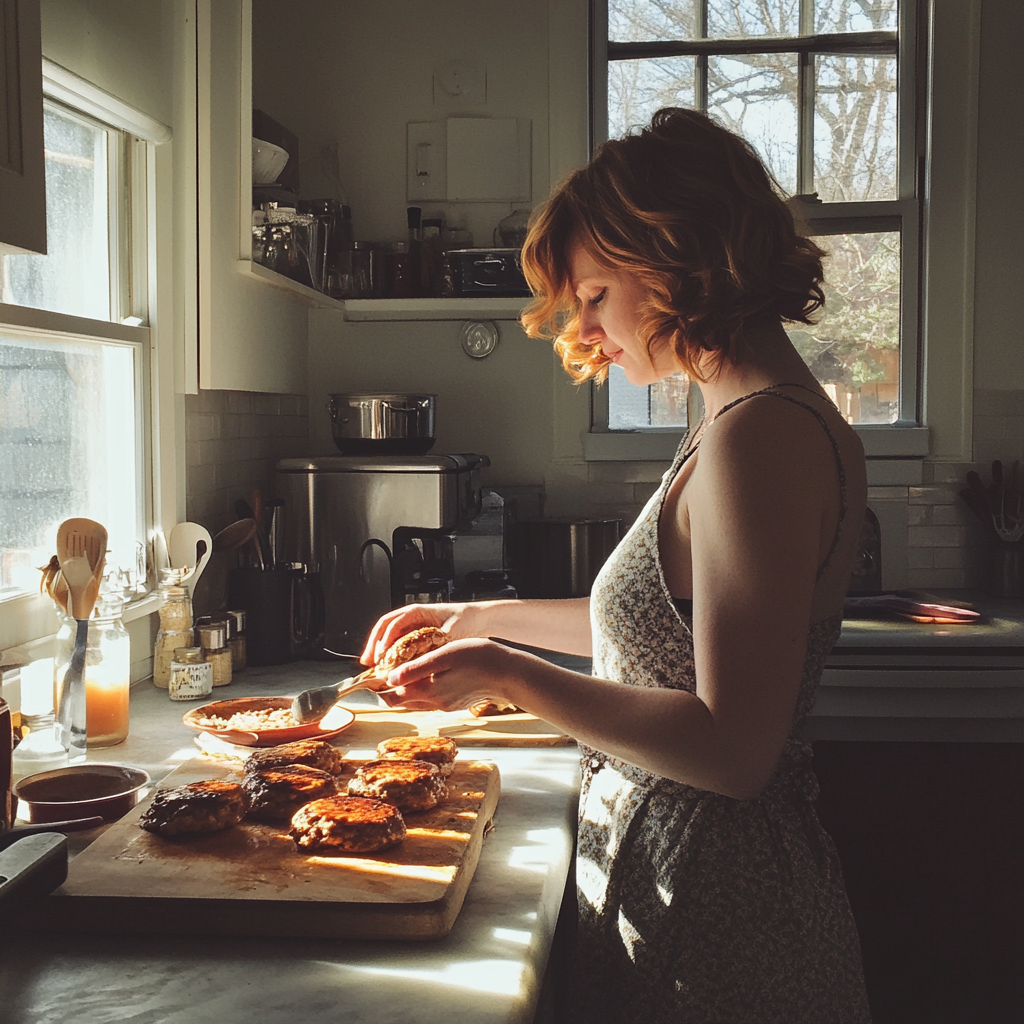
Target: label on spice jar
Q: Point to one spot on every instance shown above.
(189, 682)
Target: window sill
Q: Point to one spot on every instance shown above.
(880, 442)
(378, 310)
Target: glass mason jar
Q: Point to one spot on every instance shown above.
(107, 671)
(175, 627)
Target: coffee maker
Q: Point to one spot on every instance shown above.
(381, 531)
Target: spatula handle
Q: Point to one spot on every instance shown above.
(71, 726)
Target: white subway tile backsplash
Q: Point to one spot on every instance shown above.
(934, 536)
(234, 441)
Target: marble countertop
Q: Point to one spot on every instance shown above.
(488, 969)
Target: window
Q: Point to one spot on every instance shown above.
(74, 361)
(825, 91)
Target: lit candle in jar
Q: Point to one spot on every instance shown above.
(106, 704)
(107, 675)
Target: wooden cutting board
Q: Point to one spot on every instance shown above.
(522, 730)
(252, 879)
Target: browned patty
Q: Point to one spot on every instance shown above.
(437, 750)
(347, 824)
(409, 785)
(198, 807)
(275, 794)
(411, 646)
(314, 753)
(489, 708)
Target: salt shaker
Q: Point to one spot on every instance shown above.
(191, 675)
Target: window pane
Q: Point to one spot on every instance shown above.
(855, 128)
(756, 97)
(67, 448)
(637, 88)
(855, 15)
(75, 275)
(638, 21)
(737, 19)
(634, 408)
(854, 349)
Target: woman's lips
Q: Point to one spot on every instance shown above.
(613, 356)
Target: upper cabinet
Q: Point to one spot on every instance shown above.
(22, 176)
(251, 337)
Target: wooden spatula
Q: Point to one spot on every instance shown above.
(81, 551)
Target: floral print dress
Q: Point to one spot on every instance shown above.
(693, 906)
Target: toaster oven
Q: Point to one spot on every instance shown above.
(482, 272)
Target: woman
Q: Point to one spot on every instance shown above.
(707, 889)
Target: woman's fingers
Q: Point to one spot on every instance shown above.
(394, 624)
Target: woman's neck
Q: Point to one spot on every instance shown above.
(767, 357)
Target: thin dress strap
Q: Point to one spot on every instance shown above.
(840, 469)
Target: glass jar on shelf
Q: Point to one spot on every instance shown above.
(107, 672)
(175, 625)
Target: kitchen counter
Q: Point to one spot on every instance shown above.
(890, 679)
(490, 968)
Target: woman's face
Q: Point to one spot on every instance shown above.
(610, 303)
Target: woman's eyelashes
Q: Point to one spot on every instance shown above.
(598, 298)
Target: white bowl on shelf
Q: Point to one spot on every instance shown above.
(268, 162)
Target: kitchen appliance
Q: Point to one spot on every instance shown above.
(560, 557)
(346, 516)
(384, 423)
(491, 272)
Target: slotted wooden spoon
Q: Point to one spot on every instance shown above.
(81, 551)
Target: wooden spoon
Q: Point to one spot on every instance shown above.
(81, 551)
(232, 537)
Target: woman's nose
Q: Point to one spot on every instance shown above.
(590, 328)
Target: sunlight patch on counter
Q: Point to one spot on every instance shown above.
(500, 977)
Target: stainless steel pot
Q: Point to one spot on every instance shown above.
(382, 423)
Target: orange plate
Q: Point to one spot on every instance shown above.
(337, 720)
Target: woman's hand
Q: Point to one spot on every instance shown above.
(556, 625)
(457, 675)
(457, 620)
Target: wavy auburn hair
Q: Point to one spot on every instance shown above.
(689, 208)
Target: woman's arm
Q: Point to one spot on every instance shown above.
(755, 527)
(553, 625)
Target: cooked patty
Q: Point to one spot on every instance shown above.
(198, 807)
(347, 824)
(489, 708)
(314, 753)
(437, 750)
(411, 646)
(276, 793)
(409, 785)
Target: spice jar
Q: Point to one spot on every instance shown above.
(175, 626)
(236, 638)
(213, 640)
(191, 675)
(107, 672)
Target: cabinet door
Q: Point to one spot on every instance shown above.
(22, 176)
(252, 337)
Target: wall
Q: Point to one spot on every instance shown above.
(234, 441)
(121, 46)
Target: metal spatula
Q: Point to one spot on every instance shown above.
(312, 705)
(81, 551)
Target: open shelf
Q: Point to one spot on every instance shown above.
(370, 310)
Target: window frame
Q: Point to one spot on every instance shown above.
(137, 148)
(908, 436)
